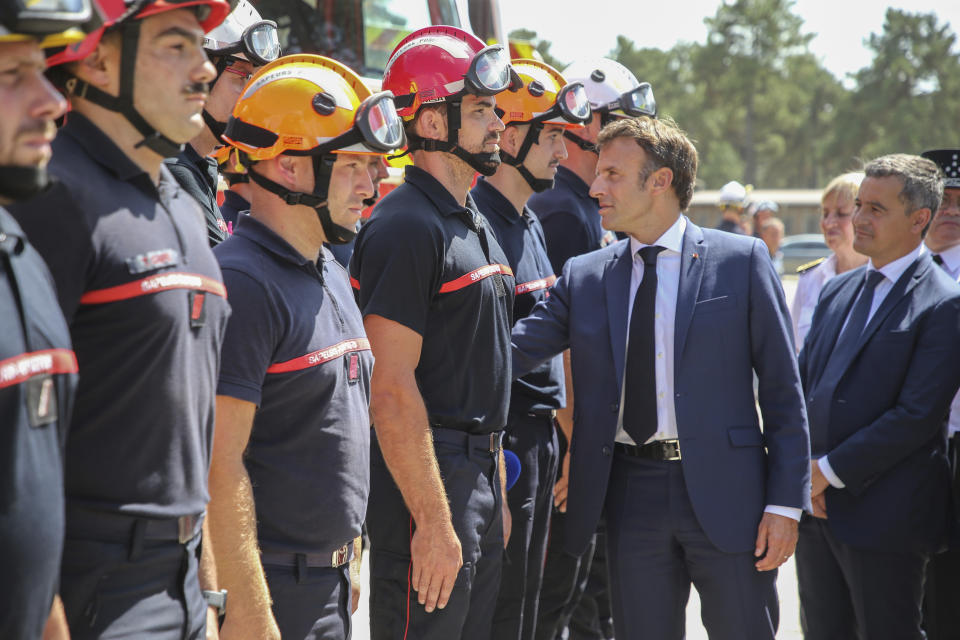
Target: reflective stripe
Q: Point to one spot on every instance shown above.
(536, 285)
(475, 276)
(319, 357)
(355, 283)
(155, 284)
(27, 365)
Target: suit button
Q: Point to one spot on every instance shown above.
(605, 450)
(614, 407)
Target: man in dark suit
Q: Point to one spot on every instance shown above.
(666, 330)
(880, 366)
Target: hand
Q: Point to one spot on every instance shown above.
(563, 482)
(819, 502)
(436, 556)
(818, 481)
(507, 522)
(252, 627)
(213, 623)
(777, 538)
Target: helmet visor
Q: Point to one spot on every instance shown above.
(638, 102)
(260, 44)
(379, 123)
(489, 71)
(43, 17)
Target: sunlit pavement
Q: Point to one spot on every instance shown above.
(786, 580)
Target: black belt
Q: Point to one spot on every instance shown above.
(656, 450)
(549, 414)
(491, 442)
(86, 524)
(336, 558)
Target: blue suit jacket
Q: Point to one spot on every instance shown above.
(731, 320)
(885, 434)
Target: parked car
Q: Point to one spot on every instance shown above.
(799, 249)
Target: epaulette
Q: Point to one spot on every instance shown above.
(810, 265)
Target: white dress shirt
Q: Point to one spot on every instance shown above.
(805, 299)
(951, 264)
(891, 272)
(664, 324)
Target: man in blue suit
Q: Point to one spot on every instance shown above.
(666, 330)
(880, 366)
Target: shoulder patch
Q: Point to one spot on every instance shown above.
(810, 265)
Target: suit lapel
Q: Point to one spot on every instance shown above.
(693, 255)
(834, 318)
(617, 284)
(897, 294)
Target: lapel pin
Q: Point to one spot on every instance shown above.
(696, 255)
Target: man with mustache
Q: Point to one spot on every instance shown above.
(879, 368)
(146, 307)
(231, 50)
(941, 616)
(532, 148)
(37, 363)
(436, 293)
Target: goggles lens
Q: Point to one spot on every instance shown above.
(574, 103)
(639, 102)
(43, 17)
(490, 71)
(262, 43)
(378, 121)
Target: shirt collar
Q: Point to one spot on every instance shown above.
(951, 258)
(11, 235)
(671, 240)
(442, 199)
(252, 229)
(893, 270)
(503, 207)
(236, 200)
(100, 147)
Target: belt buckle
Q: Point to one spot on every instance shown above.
(671, 450)
(339, 556)
(186, 525)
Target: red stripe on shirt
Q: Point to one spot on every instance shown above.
(475, 276)
(355, 283)
(317, 358)
(155, 284)
(37, 363)
(536, 285)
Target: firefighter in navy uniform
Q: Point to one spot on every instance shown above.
(146, 307)
(237, 47)
(37, 364)
(532, 147)
(290, 474)
(436, 294)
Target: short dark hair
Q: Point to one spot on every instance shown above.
(921, 178)
(665, 144)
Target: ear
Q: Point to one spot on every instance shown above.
(512, 138)
(101, 68)
(432, 124)
(661, 180)
(919, 220)
(287, 169)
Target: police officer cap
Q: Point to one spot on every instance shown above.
(949, 162)
(733, 193)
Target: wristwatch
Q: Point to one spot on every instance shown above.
(217, 599)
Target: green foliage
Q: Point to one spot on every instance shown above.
(764, 110)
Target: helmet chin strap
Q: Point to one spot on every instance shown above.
(123, 103)
(322, 170)
(580, 142)
(533, 137)
(21, 183)
(216, 127)
(483, 163)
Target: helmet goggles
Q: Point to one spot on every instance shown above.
(636, 102)
(260, 44)
(490, 72)
(43, 18)
(572, 105)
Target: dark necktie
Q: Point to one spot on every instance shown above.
(640, 382)
(938, 259)
(850, 336)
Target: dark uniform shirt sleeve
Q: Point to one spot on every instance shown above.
(250, 338)
(69, 251)
(398, 270)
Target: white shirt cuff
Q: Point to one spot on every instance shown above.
(787, 512)
(828, 473)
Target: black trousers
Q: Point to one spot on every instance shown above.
(564, 581)
(848, 592)
(534, 440)
(656, 549)
(590, 617)
(139, 590)
(472, 481)
(311, 602)
(941, 594)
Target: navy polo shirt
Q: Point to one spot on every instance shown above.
(521, 238)
(570, 219)
(142, 295)
(418, 263)
(233, 205)
(198, 176)
(37, 381)
(296, 348)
